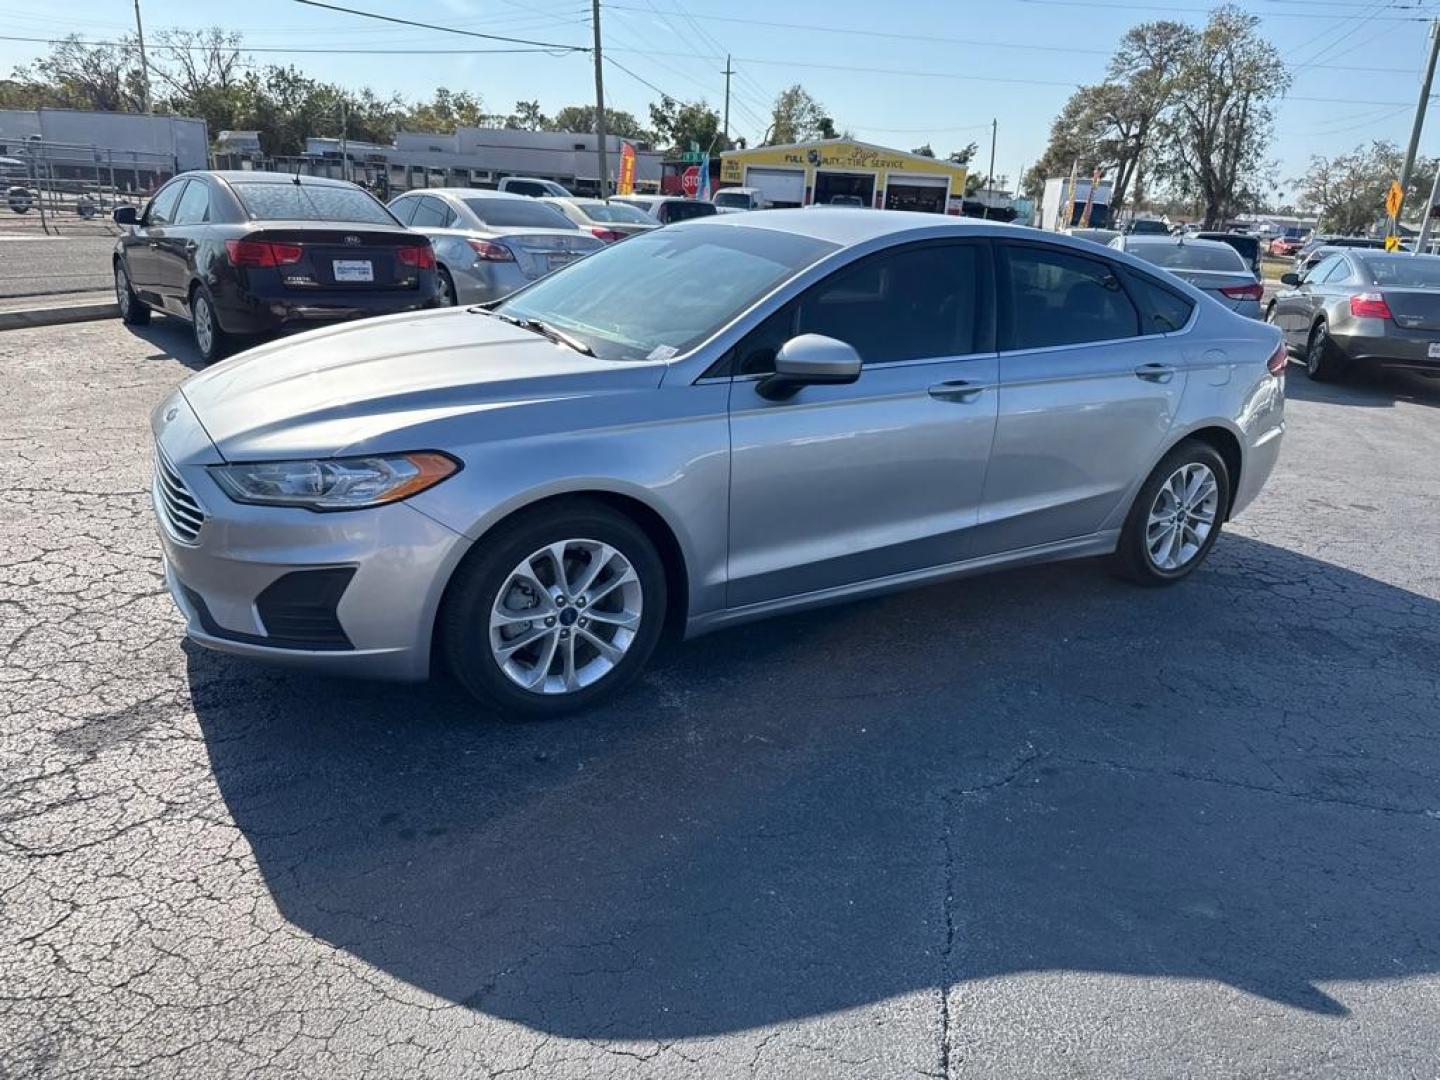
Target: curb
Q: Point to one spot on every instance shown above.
(60, 313)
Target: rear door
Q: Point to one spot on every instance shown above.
(1087, 398)
(841, 484)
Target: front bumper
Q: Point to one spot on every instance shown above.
(399, 562)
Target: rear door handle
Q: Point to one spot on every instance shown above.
(1160, 373)
(957, 390)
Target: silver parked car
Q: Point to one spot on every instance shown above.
(490, 243)
(533, 494)
(605, 219)
(1211, 265)
(1362, 307)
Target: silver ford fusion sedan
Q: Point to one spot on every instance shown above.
(713, 422)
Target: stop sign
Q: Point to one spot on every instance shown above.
(690, 181)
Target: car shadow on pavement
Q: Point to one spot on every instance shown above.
(173, 337)
(1234, 780)
(1367, 387)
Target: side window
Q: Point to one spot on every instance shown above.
(908, 305)
(162, 208)
(524, 187)
(429, 214)
(1164, 311)
(1056, 298)
(403, 209)
(194, 207)
(1338, 273)
(755, 355)
(451, 217)
(1321, 270)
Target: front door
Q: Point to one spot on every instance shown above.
(1086, 400)
(140, 248)
(841, 484)
(174, 253)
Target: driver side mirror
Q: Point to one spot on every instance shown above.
(810, 360)
(1290, 278)
(125, 215)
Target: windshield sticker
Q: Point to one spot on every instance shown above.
(662, 352)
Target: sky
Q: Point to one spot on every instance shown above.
(902, 75)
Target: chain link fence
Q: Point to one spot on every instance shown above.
(70, 189)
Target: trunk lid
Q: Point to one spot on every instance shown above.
(539, 251)
(341, 257)
(1212, 281)
(1414, 309)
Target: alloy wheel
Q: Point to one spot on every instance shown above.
(1182, 516)
(1314, 356)
(122, 291)
(204, 325)
(565, 616)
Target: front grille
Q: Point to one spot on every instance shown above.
(182, 514)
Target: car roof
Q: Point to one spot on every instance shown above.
(261, 176)
(1175, 241)
(466, 193)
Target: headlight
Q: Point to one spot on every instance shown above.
(334, 483)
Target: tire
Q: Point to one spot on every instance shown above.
(1323, 361)
(1135, 555)
(133, 311)
(448, 297)
(487, 586)
(211, 341)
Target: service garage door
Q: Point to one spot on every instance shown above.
(781, 187)
(924, 193)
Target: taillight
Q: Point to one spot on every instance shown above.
(1369, 305)
(491, 252)
(608, 235)
(1244, 292)
(262, 253)
(1278, 359)
(421, 258)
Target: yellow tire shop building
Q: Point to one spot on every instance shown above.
(846, 172)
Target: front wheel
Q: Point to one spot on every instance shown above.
(554, 611)
(1176, 517)
(133, 311)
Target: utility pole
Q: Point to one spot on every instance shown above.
(1424, 237)
(990, 179)
(344, 141)
(727, 73)
(1420, 107)
(600, 101)
(144, 65)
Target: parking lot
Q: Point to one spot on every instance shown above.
(1037, 824)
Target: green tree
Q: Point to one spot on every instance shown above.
(1347, 191)
(581, 118)
(677, 125)
(798, 117)
(445, 111)
(527, 117)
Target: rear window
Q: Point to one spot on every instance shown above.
(1189, 256)
(1404, 271)
(618, 213)
(309, 202)
(684, 210)
(519, 213)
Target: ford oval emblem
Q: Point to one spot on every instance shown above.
(352, 239)
(171, 413)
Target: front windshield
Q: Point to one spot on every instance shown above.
(1405, 271)
(1189, 256)
(662, 293)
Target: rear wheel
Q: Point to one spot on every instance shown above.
(133, 311)
(211, 341)
(447, 289)
(1176, 517)
(1323, 361)
(555, 610)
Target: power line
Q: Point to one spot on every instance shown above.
(249, 49)
(1201, 11)
(444, 29)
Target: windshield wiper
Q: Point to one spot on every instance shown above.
(544, 329)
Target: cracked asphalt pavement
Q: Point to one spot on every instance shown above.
(1037, 824)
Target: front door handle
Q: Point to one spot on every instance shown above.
(957, 390)
(1161, 373)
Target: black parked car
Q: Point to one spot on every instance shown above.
(1248, 246)
(248, 253)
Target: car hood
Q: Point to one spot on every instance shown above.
(363, 387)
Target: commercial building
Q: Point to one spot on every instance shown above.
(128, 151)
(478, 157)
(842, 171)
